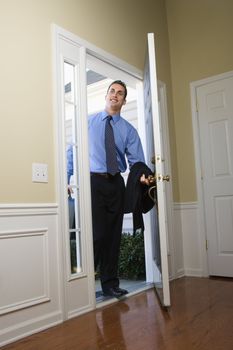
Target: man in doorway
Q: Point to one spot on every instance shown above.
(107, 184)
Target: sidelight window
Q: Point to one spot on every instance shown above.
(72, 162)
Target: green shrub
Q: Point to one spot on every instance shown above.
(132, 256)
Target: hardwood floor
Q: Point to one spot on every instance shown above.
(201, 318)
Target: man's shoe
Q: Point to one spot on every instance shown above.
(123, 291)
(115, 292)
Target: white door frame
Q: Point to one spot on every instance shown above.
(115, 62)
(197, 153)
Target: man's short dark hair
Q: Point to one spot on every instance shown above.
(120, 83)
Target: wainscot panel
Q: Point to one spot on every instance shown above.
(30, 270)
(188, 259)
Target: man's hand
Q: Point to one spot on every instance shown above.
(144, 180)
(70, 191)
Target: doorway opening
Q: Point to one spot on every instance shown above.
(90, 72)
(132, 266)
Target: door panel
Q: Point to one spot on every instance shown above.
(215, 114)
(154, 148)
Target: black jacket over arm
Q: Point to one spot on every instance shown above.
(137, 200)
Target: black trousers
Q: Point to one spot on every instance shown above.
(107, 195)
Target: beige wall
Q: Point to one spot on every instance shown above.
(200, 35)
(201, 46)
(27, 132)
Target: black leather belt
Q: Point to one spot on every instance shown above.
(106, 175)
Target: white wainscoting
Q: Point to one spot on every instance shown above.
(31, 297)
(20, 252)
(188, 246)
(187, 241)
(30, 270)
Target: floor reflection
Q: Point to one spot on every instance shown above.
(109, 322)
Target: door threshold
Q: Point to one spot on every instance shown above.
(133, 287)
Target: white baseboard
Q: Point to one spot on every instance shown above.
(27, 328)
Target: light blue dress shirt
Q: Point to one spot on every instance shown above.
(126, 137)
(69, 163)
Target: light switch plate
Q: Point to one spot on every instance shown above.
(39, 172)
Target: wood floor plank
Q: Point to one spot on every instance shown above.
(201, 318)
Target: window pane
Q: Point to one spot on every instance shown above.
(69, 112)
(75, 252)
(69, 82)
(71, 120)
(73, 202)
(71, 206)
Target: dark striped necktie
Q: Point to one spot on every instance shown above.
(110, 147)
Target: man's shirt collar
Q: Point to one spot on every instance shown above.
(115, 117)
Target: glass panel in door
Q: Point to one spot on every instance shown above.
(72, 166)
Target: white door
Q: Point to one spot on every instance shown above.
(154, 149)
(215, 116)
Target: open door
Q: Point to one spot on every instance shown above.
(155, 160)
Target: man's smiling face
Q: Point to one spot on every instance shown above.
(115, 98)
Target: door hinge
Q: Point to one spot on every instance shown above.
(206, 244)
